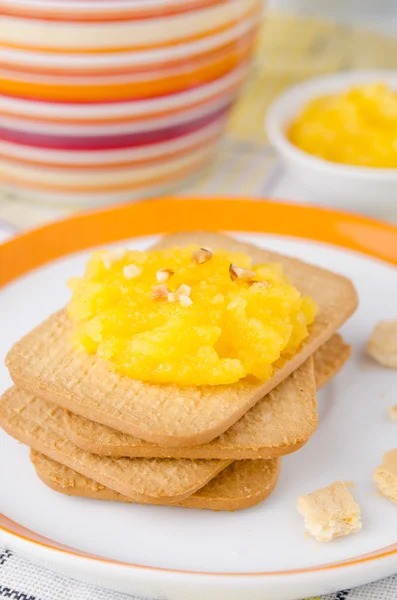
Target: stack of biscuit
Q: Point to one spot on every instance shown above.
(96, 433)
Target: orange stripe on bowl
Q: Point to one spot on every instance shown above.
(177, 174)
(253, 13)
(124, 119)
(108, 15)
(15, 68)
(123, 91)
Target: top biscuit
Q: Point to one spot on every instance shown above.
(45, 364)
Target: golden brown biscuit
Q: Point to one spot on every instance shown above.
(38, 424)
(45, 364)
(279, 424)
(241, 485)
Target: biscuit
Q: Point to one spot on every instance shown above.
(329, 359)
(242, 484)
(266, 431)
(45, 364)
(279, 424)
(38, 424)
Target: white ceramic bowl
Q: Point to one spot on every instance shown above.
(362, 189)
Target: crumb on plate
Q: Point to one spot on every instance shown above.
(385, 476)
(382, 344)
(392, 412)
(330, 512)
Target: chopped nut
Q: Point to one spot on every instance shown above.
(259, 284)
(160, 292)
(163, 275)
(113, 256)
(185, 300)
(382, 345)
(182, 294)
(184, 289)
(201, 256)
(393, 413)
(240, 273)
(131, 271)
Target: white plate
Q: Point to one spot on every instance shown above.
(259, 553)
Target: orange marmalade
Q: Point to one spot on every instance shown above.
(189, 316)
(357, 127)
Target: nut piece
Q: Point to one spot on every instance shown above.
(182, 294)
(113, 256)
(385, 476)
(163, 275)
(330, 512)
(201, 256)
(382, 345)
(393, 413)
(160, 292)
(259, 284)
(240, 273)
(186, 290)
(185, 300)
(131, 271)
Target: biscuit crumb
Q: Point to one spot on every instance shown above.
(392, 412)
(385, 476)
(382, 345)
(330, 512)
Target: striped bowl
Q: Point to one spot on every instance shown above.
(107, 100)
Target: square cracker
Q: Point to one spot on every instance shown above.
(45, 364)
(280, 423)
(38, 424)
(242, 484)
